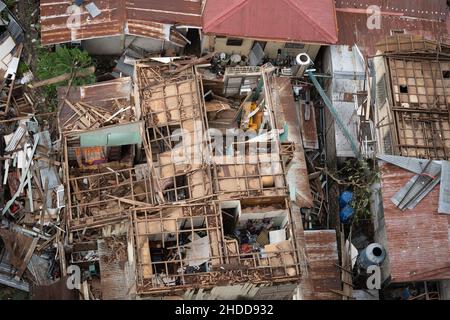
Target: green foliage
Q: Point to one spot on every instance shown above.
(63, 60)
(22, 69)
(10, 3)
(359, 177)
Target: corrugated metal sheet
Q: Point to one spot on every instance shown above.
(418, 187)
(411, 164)
(144, 18)
(287, 20)
(55, 18)
(426, 18)
(308, 125)
(118, 135)
(321, 250)
(297, 174)
(16, 138)
(418, 239)
(185, 12)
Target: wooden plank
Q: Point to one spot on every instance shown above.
(27, 257)
(61, 78)
(82, 119)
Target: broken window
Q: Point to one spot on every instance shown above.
(234, 42)
(397, 31)
(289, 45)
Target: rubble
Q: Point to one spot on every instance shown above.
(208, 160)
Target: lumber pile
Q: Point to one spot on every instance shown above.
(89, 117)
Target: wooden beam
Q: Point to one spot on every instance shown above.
(64, 77)
(27, 258)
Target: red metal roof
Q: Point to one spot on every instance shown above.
(284, 20)
(417, 240)
(426, 18)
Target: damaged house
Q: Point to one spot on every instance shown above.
(258, 30)
(110, 27)
(159, 204)
(179, 180)
(413, 140)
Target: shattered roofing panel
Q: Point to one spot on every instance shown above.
(283, 20)
(417, 239)
(426, 18)
(139, 17)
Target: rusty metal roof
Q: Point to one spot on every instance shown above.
(418, 239)
(55, 19)
(426, 18)
(283, 20)
(181, 12)
(144, 18)
(321, 250)
(298, 174)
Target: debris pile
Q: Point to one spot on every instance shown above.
(35, 196)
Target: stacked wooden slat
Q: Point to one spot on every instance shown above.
(89, 117)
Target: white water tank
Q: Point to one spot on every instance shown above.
(374, 254)
(303, 61)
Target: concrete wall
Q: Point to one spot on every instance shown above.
(219, 44)
(105, 46)
(379, 226)
(116, 45)
(348, 73)
(150, 45)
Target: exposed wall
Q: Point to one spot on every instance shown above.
(383, 116)
(379, 226)
(271, 49)
(150, 45)
(347, 69)
(116, 45)
(105, 46)
(219, 44)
